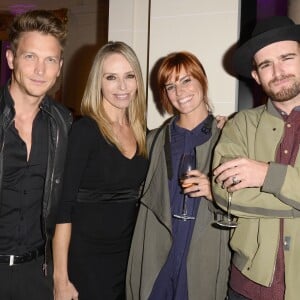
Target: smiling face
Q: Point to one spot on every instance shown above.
(35, 65)
(119, 85)
(278, 70)
(185, 93)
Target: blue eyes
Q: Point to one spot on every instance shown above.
(114, 77)
(33, 58)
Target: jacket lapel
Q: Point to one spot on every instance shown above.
(154, 198)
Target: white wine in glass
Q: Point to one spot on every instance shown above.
(227, 221)
(187, 163)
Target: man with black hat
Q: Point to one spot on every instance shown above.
(264, 174)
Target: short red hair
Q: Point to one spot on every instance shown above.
(177, 61)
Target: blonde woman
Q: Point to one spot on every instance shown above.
(106, 164)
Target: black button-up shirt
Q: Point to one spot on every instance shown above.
(23, 186)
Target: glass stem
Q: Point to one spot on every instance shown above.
(229, 206)
(184, 206)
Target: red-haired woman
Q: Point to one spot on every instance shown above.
(179, 258)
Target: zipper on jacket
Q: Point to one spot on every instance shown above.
(45, 264)
(274, 267)
(2, 150)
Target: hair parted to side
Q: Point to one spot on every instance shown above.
(92, 101)
(43, 21)
(175, 62)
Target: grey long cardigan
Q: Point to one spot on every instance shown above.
(208, 257)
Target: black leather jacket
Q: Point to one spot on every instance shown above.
(59, 125)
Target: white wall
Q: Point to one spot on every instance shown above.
(206, 28)
(294, 10)
(128, 22)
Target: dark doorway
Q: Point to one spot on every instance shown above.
(249, 93)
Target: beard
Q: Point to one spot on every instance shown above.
(286, 93)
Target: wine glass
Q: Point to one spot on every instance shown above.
(187, 163)
(228, 221)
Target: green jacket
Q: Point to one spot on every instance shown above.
(208, 257)
(256, 134)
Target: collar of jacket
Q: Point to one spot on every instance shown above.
(271, 108)
(7, 110)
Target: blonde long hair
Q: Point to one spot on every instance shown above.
(92, 101)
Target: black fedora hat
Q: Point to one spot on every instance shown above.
(266, 32)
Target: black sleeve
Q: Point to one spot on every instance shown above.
(80, 146)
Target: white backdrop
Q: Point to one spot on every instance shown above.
(206, 28)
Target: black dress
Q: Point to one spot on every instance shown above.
(100, 199)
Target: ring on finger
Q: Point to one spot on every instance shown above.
(235, 180)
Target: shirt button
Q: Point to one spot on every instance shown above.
(285, 151)
(25, 192)
(57, 180)
(288, 125)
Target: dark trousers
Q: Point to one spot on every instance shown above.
(26, 281)
(232, 295)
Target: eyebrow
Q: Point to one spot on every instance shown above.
(113, 73)
(282, 56)
(36, 54)
(180, 79)
(263, 63)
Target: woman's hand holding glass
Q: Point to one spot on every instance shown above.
(197, 185)
(193, 183)
(187, 163)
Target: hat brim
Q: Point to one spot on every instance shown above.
(242, 59)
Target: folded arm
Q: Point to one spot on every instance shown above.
(264, 188)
